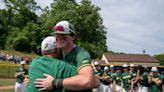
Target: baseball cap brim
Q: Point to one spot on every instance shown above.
(119, 68)
(64, 33)
(59, 32)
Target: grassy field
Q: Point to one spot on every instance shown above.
(8, 70)
(7, 90)
(7, 82)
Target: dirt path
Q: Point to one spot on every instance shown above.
(7, 87)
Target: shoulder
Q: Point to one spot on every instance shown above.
(161, 77)
(44, 58)
(82, 53)
(80, 50)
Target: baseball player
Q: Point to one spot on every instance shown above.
(106, 80)
(48, 64)
(143, 80)
(111, 74)
(134, 74)
(20, 75)
(117, 81)
(155, 80)
(65, 33)
(97, 71)
(127, 78)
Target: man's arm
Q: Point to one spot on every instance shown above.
(158, 82)
(114, 86)
(132, 85)
(84, 80)
(150, 78)
(122, 85)
(17, 74)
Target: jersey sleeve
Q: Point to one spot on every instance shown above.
(162, 79)
(83, 59)
(66, 70)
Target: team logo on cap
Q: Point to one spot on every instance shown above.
(46, 47)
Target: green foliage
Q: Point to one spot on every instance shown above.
(91, 33)
(160, 57)
(21, 29)
(21, 25)
(21, 43)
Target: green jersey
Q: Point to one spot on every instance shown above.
(126, 77)
(111, 74)
(117, 77)
(144, 79)
(20, 78)
(134, 74)
(154, 87)
(79, 58)
(98, 72)
(57, 68)
(162, 77)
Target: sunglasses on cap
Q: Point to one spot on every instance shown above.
(58, 28)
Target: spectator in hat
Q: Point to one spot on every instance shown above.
(20, 75)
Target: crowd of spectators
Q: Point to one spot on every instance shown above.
(12, 58)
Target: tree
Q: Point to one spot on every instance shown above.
(21, 25)
(87, 20)
(160, 57)
(23, 30)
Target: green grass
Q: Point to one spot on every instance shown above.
(7, 90)
(8, 71)
(7, 82)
